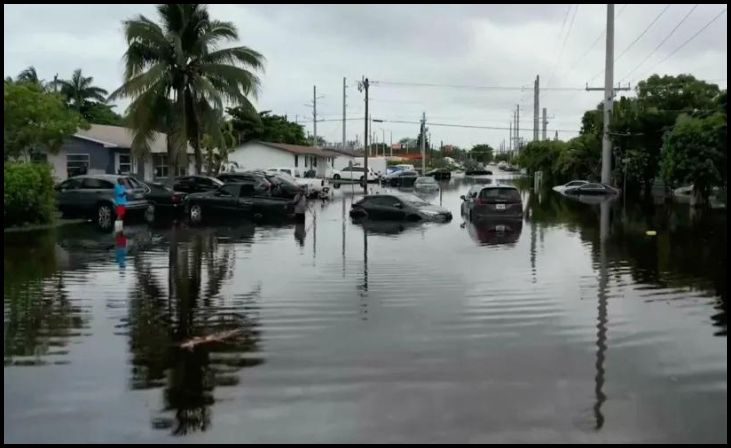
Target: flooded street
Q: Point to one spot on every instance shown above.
(575, 326)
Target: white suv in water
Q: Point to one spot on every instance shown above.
(356, 173)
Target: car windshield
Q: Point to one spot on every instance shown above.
(413, 200)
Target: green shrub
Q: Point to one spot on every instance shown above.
(29, 194)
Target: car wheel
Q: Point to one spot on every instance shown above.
(336, 177)
(195, 213)
(104, 216)
(150, 213)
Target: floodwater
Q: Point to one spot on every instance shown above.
(574, 326)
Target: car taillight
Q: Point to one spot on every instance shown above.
(177, 198)
(479, 201)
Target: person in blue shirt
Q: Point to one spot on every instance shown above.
(120, 198)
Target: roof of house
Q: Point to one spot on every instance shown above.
(121, 137)
(297, 149)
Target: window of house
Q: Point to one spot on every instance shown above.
(160, 165)
(314, 162)
(125, 164)
(77, 164)
(296, 160)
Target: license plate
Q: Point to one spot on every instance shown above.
(499, 206)
(500, 228)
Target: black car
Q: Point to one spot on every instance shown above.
(440, 174)
(282, 185)
(478, 173)
(163, 200)
(196, 184)
(235, 200)
(401, 179)
(257, 179)
(398, 208)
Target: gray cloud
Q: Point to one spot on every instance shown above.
(483, 45)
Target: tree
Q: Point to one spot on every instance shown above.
(178, 77)
(80, 92)
(267, 127)
(218, 145)
(98, 113)
(579, 158)
(541, 155)
(482, 153)
(695, 152)
(30, 75)
(35, 119)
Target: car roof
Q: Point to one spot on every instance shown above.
(503, 186)
(101, 176)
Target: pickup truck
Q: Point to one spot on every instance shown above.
(236, 200)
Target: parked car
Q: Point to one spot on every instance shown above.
(478, 172)
(162, 200)
(256, 179)
(315, 187)
(401, 179)
(235, 200)
(572, 184)
(398, 208)
(426, 184)
(356, 173)
(493, 201)
(591, 189)
(196, 184)
(92, 196)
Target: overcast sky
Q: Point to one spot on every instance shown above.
(465, 45)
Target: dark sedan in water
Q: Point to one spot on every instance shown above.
(591, 189)
(234, 201)
(398, 208)
(163, 200)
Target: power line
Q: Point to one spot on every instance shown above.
(596, 41)
(451, 125)
(563, 46)
(661, 43)
(716, 17)
(456, 86)
(637, 39)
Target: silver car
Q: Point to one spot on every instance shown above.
(92, 196)
(493, 201)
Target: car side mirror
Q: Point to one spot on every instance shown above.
(398, 205)
(463, 198)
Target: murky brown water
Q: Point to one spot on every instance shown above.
(573, 327)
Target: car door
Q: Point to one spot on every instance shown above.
(93, 191)
(67, 194)
(183, 184)
(393, 208)
(224, 200)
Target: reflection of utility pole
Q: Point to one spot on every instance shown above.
(601, 335)
(423, 143)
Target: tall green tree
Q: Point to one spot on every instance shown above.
(80, 90)
(267, 127)
(482, 153)
(179, 78)
(35, 119)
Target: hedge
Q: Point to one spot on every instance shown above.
(29, 194)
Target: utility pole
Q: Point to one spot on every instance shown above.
(391, 144)
(314, 114)
(423, 143)
(344, 112)
(608, 96)
(383, 140)
(609, 90)
(545, 123)
(536, 91)
(363, 85)
(517, 127)
(510, 134)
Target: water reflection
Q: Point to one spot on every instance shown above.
(495, 232)
(161, 318)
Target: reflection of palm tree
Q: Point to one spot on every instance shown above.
(159, 324)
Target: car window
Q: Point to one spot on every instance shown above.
(247, 191)
(69, 184)
(593, 187)
(91, 183)
(384, 201)
(229, 190)
(500, 194)
(576, 182)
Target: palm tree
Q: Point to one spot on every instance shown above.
(79, 90)
(29, 75)
(179, 78)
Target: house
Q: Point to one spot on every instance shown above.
(264, 155)
(105, 149)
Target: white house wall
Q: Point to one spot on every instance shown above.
(253, 156)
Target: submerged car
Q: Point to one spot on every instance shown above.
(401, 179)
(493, 201)
(572, 184)
(235, 200)
(591, 189)
(398, 207)
(426, 184)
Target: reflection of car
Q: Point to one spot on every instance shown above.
(386, 227)
(498, 201)
(495, 231)
(235, 199)
(426, 184)
(572, 184)
(398, 208)
(162, 199)
(401, 179)
(591, 189)
(196, 184)
(354, 173)
(92, 196)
